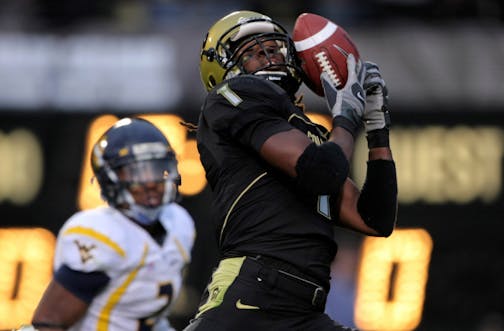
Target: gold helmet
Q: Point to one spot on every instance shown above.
(227, 40)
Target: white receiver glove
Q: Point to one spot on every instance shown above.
(376, 113)
(346, 104)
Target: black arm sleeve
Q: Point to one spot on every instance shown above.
(377, 203)
(84, 285)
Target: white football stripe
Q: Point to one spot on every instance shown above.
(317, 38)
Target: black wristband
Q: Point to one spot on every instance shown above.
(346, 124)
(378, 138)
(49, 325)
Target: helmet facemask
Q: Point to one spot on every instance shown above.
(144, 187)
(284, 73)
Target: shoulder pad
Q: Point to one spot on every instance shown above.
(91, 240)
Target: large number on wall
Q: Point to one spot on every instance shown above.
(392, 280)
(190, 168)
(26, 269)
(21, 166)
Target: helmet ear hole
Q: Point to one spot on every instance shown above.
(212, 81)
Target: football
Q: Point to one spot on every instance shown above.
(321, 46)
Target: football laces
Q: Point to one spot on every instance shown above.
(326, 67)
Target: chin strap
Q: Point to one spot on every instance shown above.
(282, 79)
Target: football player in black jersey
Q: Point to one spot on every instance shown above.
(281, 181)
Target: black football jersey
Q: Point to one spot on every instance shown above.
(256, 207)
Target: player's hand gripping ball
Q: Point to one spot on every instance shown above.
(322, 46)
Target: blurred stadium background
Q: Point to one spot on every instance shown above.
(68, 67)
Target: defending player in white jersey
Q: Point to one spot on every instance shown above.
(120, 267)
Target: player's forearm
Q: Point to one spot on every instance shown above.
(377, 202)
(344, 139)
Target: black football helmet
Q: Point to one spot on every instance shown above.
(142, 153)
(229, 38)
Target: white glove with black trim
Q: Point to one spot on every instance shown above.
(346, 104)
(376, 113)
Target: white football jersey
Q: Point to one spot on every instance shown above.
(145, 277)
